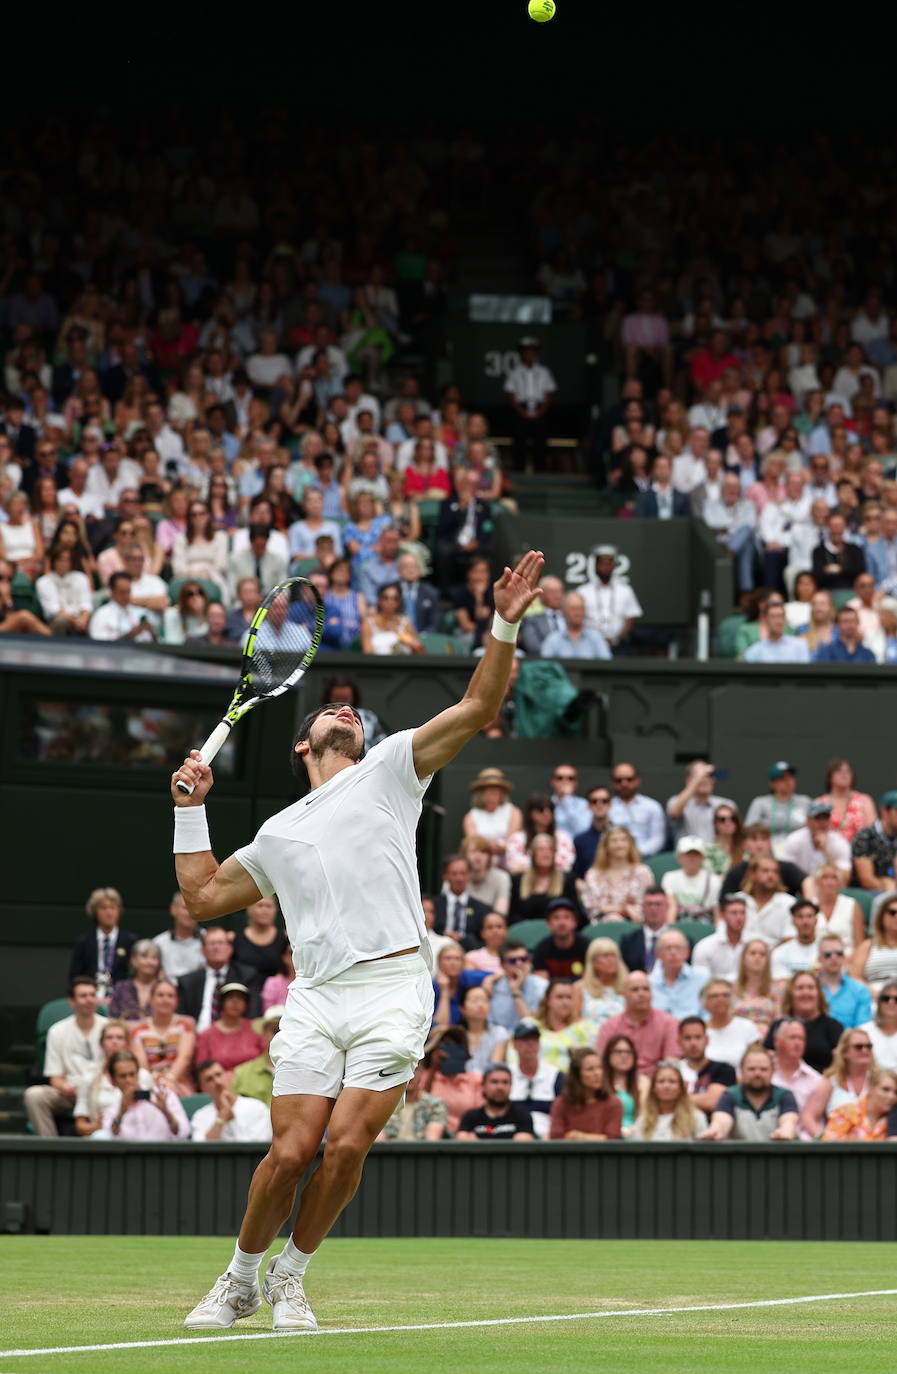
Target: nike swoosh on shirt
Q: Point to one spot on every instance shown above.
(388, 1073)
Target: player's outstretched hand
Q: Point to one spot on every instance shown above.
(194, 771)
(516, 589)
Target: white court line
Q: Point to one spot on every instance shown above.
(450, 1326)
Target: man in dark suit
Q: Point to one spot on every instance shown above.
(465, 527)
(587, 841)
(420, 600)
(637, 947)
(20, 435)
(535, 629)
(199, 992)
(103, 950)
(459, 915)
(661, 501)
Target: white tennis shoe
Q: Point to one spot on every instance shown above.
(229, 1301)
(286, 1295)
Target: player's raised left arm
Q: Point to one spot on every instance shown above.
(436, 743)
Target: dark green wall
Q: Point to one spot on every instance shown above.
(571, 1190)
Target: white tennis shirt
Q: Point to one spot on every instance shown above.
(344, 866)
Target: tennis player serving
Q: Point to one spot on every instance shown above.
(342, 863)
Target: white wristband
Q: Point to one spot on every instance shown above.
(191, 830)
(503, 630)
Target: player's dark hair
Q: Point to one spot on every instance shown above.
(296, 765)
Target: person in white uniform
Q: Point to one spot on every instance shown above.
(611, 605)
(342, 863)
(529, 388)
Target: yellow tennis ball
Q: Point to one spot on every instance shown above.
(541, 10)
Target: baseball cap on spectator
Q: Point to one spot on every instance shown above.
(819, 809)
(273, 1014)
(527, 1029)
(691, 844)
(888, 799)
(565, 904)
(778, 770)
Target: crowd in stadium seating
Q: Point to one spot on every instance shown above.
(606, 966)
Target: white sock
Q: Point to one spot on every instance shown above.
(292, 1260)
(245, 1267)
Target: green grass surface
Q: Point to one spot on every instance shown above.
(82, 1291)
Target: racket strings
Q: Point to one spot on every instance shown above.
(284, 638)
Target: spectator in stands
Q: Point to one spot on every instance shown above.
(473, 606)
(148, 591)
(804, 999)
(420, 1115)
(130, 997)
(539, 819)
(201, 551)
(530, 388)
(836, 563)
(691, 888)
(494, 934)
(230, 1040)
(847, 647)
(875, 960)
(199, 993)
(783, 809)
(492, 815)
(791, 1071)
(675, 984)
(620, 1063)
(180, 948)
(874, 848)
(483, 1038)
(118, 619)
(612, 607)
(726, 848)
(14, 618)
(451, 982)
(535, 628)
(103, 952)
(562, 952)
(261, 942)
(758, 845)
(420, 600)
(866, 1119)
(447, 1078)
(458, 914)
(705, 1079)
(498, 1118)
(260, 562)
(96, 1090)
(533, 890)
(639, 947)
(274, 990)
(881, 556)
(571, 811)
(517, 993)
(849, 1000)
(486, 883)
(693, 810)
(719, 954)
(586, 841)
(560, 1030)
(839, 914)
(534, 1083)
(882, 1030)
(777, 645)
(614, 886)
(661, 501)
(230, 1115)
(464, 530)
(728, 1035)
(574, 640)
(654, 1033)
(160, 1118)
(816, 843)
(821, 629)
(165, 1041)
(645, 336)
(598, 994)
(345, 609)
(800, 950)
(754, 997)
(186, 619)
(641, 815)
(303, 534)
(72, 1053)
(846, 1080)
(64, 595)
(585, 1108)
(669, 1111)
(755, 1109)
(732, 519)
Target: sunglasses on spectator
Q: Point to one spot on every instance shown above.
(564, 777)
(725, 820)
(860, 1045)
(830, 953)
(517, 959)
(891, 997)
(596, 801)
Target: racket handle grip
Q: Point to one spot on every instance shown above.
(209, 750)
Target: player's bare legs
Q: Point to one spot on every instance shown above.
(299, 1122)
(358, 1118)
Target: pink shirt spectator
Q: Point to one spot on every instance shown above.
(165, 531)
(144, 1122)
(274, 991)
(229, 1048)
(645, 331)
(482, 960)
(655, 1039)
(460, 1092)
(801, 1083)
(759, 493)
(110, 561)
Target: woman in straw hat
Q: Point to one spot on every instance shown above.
(492, 815)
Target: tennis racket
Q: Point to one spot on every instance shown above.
(281, 643)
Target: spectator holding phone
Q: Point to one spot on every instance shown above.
(141, 1114)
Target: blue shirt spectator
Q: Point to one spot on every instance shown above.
(846, 646)
(642, 816)
(587, 644)
(682, 996)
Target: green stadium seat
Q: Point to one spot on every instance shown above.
(529, 932)
(301, 567)
(841, 596)
(608, 930)
(192, 1104)
(211, 589)
(725, 635)
(865, 897)
(661, 863)
(49, 1014)
(22, 589)
(438, 644)
(694, 930)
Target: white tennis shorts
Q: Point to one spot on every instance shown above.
(366, 1028)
